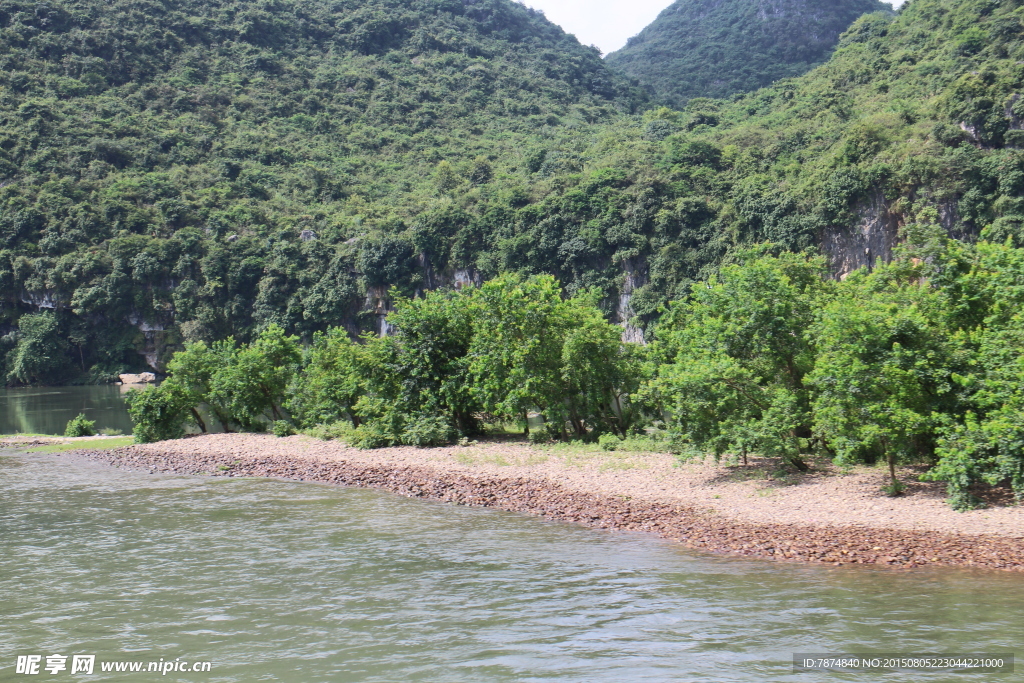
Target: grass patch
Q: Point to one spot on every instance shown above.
(22, 435)
(476, 457)
(618, 464)
(92, 444)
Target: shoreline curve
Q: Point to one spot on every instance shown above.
(692, 525)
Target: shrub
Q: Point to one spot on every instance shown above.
(540, 436)
(609, 442)
(158, 414)
(428, 430)
(342, 431)
(282, 428)
(80, 426)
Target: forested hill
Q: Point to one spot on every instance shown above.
(159, 159)
(176, 172)
(716, 48)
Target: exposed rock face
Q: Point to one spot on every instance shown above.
(635, 277)
(41, 300)
(871, 239)
(466, 278)
(141, 378)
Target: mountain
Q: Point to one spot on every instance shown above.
(201, 167)
(716, 48)
(181, 171)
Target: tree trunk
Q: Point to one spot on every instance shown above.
(199, 419)
(798, 462)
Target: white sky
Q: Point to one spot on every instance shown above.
(608, 24)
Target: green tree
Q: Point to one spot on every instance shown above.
(533, 350)
(884, 368)
(982, 441)
(159, 413)
(987, 446)
(516, 353)
(332, 380)
(426, 368)
(41, 352)
(252, 385)
(600, 373)
(192, 370)
(735, 357)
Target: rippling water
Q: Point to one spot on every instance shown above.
(279, 581)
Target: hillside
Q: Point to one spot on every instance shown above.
(220, 183)
(159, 160)
(716, 48)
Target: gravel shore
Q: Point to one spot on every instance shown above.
(824, 517)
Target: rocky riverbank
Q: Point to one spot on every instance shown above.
(823, 517)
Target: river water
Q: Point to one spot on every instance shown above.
(47, 410)
(278, 581)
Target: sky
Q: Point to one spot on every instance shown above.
(608, 24)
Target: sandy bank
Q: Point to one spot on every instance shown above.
(820, 517)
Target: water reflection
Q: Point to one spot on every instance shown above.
(47, 410)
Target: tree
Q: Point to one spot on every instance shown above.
(533, 350)
(735, 357)
(41, 352)
(982, 441)
(192, 369)
(332, 380)
(159, 413)
(601, 374)
(987, 446)
(252, 385)
(426, 364)
(516, 353)
(884, 368)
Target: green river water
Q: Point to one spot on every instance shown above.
(47, 410)
(278, 581)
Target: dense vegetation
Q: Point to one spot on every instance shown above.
(198, 168)
(716, 48)
(222, 186)
(254, 184)
(915, 362)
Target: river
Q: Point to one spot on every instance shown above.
(280, 581)
(47, 410)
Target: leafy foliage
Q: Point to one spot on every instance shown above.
(159, 413)
(243, 387)
(207, 169)
(884, 368)
(80, 426)
(711, 48)
(735, 357)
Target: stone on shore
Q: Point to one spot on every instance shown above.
(141, 378)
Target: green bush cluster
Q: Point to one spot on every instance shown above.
(455, 360)
(915, 362)
(80, 426)
(242, 387)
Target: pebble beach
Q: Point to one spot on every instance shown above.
(827, 516)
